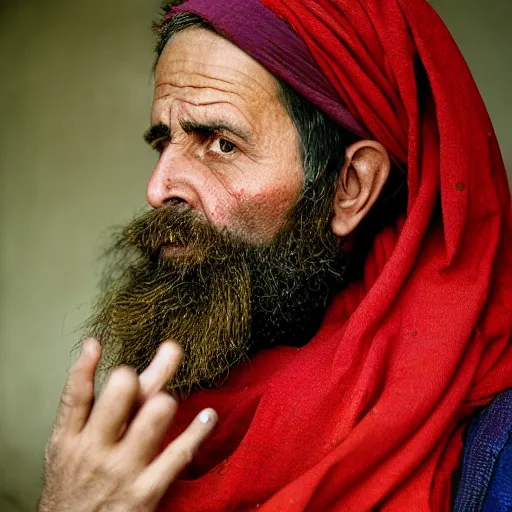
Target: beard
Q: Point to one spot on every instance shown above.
(173, 275)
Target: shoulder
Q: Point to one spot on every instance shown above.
(484, 479)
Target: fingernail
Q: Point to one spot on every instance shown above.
(206, 416)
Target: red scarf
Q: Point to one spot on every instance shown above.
(369, 414)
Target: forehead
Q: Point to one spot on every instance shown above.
(200, 67)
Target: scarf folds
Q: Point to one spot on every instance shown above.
(370, 413)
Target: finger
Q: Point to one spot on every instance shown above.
(114, 406)
(160, 371)
(78, 394)
(157, 477)
(144, 436)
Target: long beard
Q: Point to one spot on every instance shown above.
(220, 297)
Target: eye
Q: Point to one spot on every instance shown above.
(223, 146)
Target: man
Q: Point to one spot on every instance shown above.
(342, 336)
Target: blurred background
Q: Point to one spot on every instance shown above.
(75, 95)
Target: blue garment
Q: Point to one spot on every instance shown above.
(486, 466)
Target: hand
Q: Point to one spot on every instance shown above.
(106, 456)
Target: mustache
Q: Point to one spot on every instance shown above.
(177, 225)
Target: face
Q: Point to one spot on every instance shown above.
(228, 148)
(236, 255)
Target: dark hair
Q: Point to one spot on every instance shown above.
(323, 142)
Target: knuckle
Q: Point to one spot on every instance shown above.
(67, 398)
(74, 372)
(156, 414)
(185, 454)
(76, 390)
(163, 404)
(74, 368)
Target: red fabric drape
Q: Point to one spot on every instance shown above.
(369, 414)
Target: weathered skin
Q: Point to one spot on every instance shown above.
(212, 81)
(105, 457)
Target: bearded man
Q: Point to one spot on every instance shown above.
(328, 247)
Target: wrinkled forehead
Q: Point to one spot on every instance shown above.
(201, 73)
(271, 41)
(197, 57)
(203, 77)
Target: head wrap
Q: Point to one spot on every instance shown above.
(370, 413)
(268, 39)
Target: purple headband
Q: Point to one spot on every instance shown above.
(266, 38)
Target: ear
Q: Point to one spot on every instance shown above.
(361, 180)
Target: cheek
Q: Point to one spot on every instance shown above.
(262, 215)
(255, 202)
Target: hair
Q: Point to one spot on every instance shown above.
(322, 142)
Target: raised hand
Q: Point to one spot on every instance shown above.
(105, 456)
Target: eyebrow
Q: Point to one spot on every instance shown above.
(156, 134)
(161, 133)
(215, 128)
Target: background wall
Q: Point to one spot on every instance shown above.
(75, 93)
(75, 96)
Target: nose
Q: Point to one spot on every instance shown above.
(171, 181)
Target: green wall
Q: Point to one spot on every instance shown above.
(75, 92)
(75, 95)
